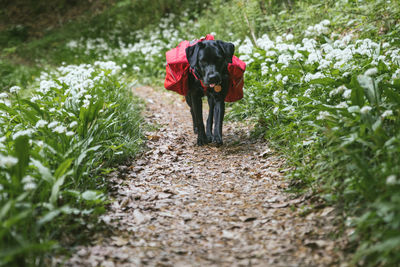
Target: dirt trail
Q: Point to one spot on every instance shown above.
(183, 205)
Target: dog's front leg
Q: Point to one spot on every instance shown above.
(198, 117)
(189, 102)
(219, 112)
(211, 104)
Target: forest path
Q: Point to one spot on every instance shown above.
(183, 205)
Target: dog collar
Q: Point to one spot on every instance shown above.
(217, 88)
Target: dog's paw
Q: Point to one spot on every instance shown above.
(202, 140)
(218, 140)
(209, 138)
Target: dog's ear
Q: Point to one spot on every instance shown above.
(192, 52)
(228, 49)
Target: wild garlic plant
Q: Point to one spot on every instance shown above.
(53, 146)
(334, 102)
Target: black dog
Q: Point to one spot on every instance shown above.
(209, 63)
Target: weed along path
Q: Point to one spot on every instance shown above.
(183, 205)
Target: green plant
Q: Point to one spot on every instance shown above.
(79, 120)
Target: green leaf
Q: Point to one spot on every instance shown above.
(392, 95)
(387, 245)
(357, 92)
(367, 83)
(49, 216)
(44, 171)
(55, 189)
(8, 109)
(4, 210)
(33, 105)
(60, 175)
(377, 125)
(323, 81)
(62, 168)
(382, 67)
(13, 220)
(22, 153)
(91, 195)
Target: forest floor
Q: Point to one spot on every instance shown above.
(182, 205)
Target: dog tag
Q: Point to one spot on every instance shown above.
(217, 88)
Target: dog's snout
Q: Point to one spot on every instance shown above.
(214, 78)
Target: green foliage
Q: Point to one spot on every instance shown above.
(54, 146)
(331, 102)
(16, 74)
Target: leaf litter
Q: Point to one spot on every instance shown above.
(183, 205)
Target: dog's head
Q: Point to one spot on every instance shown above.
(209, 59)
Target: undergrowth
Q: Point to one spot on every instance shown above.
(324, 90)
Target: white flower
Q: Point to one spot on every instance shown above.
(337, 90)
(27, 179)
(308, 92)
(276, 110)
(86, 103)
(27, 132)
(53, 124)
(297, 56)
(15, 89)
(310, 76)
(36, 98)
(278, 77)
(289, 37)
(264, 42)
(325, 22)
(285, 79)
(385, 45)
(307, 142)
(41, 123)
(387, 113)
(318, 29)
(246, 47)
(371, 72)
(264, 68)
(353, 109)
(323, 115)
(73, 124)
(347, 93)
(60, 129)
(3, 95)
(70, 133)
(342, 105)
(391, 179)
(7, 161)
(29, 186)
(365, 109)
(275, 97)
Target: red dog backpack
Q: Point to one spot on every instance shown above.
(177, 71)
